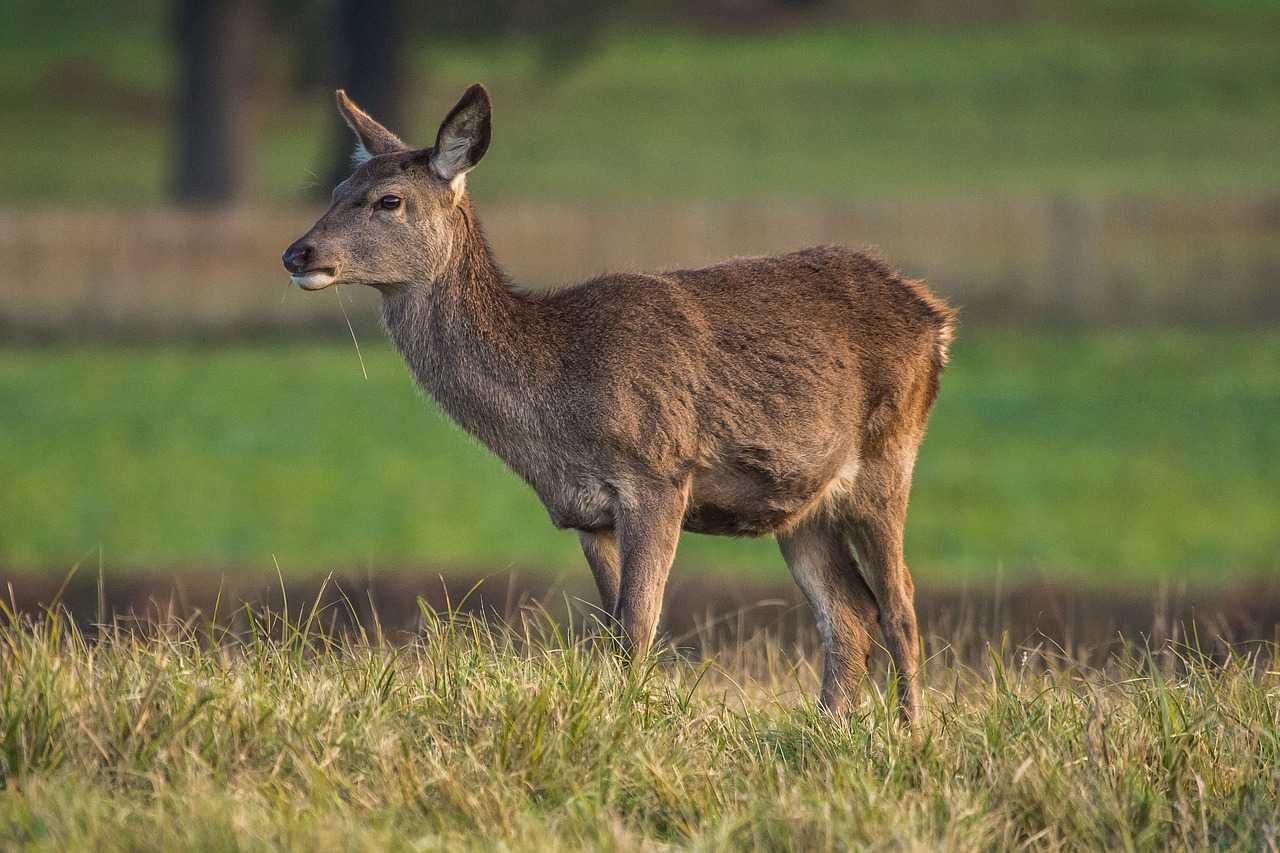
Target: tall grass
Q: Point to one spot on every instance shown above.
(531, 735)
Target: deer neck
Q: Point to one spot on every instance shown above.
(483, 351)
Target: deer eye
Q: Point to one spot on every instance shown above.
(389, 202)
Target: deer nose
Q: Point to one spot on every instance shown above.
(297, 257)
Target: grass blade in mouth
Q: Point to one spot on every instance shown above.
(351, 329)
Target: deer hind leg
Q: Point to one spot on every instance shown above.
(648, 529)
(601, 550)
(879, 511)
(817, 553)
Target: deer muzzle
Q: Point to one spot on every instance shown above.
(299, 260)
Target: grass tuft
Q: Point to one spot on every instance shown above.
(271, 731)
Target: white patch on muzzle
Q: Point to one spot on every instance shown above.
(317, 280)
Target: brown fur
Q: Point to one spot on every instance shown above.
(777, 396)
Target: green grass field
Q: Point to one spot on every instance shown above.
(1165, 98)
(1110, 457)
(476, 737)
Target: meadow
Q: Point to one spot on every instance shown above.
(172, 430)
(1168, 98)
(531, 736)
(1102, 458)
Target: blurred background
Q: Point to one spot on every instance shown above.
(1095, 185)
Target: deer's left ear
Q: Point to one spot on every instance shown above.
(372, 138)
(463, 137)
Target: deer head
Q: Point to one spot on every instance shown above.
(395, 220)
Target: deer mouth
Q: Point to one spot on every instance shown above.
(316, 279)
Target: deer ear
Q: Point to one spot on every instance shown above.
(463, 136)
(372, 138)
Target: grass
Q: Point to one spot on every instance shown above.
(466, 735)
(1164, 98)
(1101, 458)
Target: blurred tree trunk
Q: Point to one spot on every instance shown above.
(214, 48)
(368, 53)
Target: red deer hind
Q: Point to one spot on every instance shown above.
(781, 396)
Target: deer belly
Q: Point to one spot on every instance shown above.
(740, 504)
(733, 521)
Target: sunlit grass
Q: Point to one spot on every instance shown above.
(530, 736)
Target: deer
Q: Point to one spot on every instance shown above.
(782, 396)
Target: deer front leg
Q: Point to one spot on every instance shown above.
(648, 528)
(601, 549)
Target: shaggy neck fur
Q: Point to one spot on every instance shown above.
(469, 340)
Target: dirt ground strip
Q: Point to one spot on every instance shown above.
(699, 612)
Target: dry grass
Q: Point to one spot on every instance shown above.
(161, 271)
(530, 735)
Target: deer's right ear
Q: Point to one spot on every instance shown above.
(463, 137)
(372, 138)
